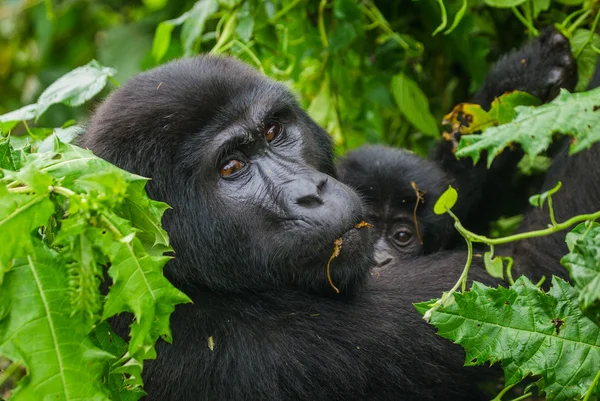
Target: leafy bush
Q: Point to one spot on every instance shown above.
(368, 72)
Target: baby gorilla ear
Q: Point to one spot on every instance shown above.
(541, 68)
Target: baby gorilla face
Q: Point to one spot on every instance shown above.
(399, 189)
(395, 234)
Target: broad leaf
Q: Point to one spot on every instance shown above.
(446, 201)
(528, 330)
(36, 329)
(73, 89)
(583, 264)
(467, 118)
(414, 105)
(574, 114)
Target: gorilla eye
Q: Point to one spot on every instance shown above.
(231, 167)
(272, 129)
(403, 236)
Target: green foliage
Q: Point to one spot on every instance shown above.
(72, 89)
(528, 331)
(583, 263)
(467, 118)
(366, 72)
(573, 114)
(446, 201)
(64, 215)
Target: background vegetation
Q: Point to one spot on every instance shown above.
(367, 71)
(382, 71)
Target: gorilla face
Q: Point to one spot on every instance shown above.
(383, 176)
(244, 168)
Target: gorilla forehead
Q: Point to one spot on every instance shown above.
(198, 97)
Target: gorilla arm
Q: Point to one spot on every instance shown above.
(540, 68)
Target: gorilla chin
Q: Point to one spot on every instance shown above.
(349, 257)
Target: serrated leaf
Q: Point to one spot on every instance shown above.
(583, 263)
(140, 287)
(62, 363)
(9, 120)
(468, 118)
(6, 155)
(576, 114)
(528, 330)
(413, 104)
(75, 87)
(124, 380)
(146, 214)
(446, 201)
(20, 214)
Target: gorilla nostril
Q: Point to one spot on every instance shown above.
(321, 185)
(309, 200)
(382, 263)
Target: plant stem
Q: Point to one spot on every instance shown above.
(322, 31)
(12, 368)
(524, 21)
(524, 396)
(284, 10)
(62, 191)
(504, 391)
(590, 390)
(531, 234)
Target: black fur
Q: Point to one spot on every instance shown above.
(259, 282)
(252, 249)
(383, 175)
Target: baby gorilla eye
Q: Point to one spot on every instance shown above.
(272, 129)
(231, 167)
(403, 236)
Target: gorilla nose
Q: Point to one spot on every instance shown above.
(310, 193)
(382, 262)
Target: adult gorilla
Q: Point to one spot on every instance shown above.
(256, 211)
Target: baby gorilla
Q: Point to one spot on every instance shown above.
(399, 189)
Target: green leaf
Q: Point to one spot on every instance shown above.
(140, 287)
(124, 381)
(575, 114)
(539, 200)
(193, 26)
(494, 267)
(583, 263)
(76, 87)
(73, 89)
(586, 56)
(9, 120)
(244, 27)
(529, 331)
(539, 6)
(468, 118)
(22, 213)
(62, 363)
(446, 201)
(413, 104)
(162, 40)
(6, 155)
